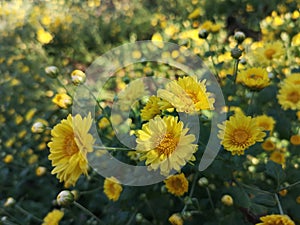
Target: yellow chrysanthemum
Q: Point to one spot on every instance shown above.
(269, 52)
(289, 96)
(254, 78)
(177, 184)
(296, 40)
(268, 145)
(175, 219)
(239, 133)
(53, 217)
(151, 109)
(295, 139)
(210, 26)
(62, 100)
(69, 146)
(112, 188)
(276, 220)
(293, 79)
(187, 95)
(278, 157)
(165, 144)
(43, 36)
(265, 122)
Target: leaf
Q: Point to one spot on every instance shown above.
(264, 199)
(275, 171)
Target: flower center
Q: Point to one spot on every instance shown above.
(269, 53)
(240, 136)
(293, 97)
(70, 145)
(177, 184)
(167, 145)
(255, 76)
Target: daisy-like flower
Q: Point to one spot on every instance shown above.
(187, 95)
(276, 219)
(62, 100)
(265, 122)
(268, 145)
(69, 146)
(278, 157)
(269, 53)
(293, 79)
(177, 184)
(112, 188)
(175, 219)
(53, 217)
(239, 133)
(289, 96)
(254, 78)
(295, 139)
(165, 144)
(151, 109)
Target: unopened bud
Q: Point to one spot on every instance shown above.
(139, 218)
(203, 34)
(186, 215)
(236, 53)
(51, 71)
(227, 200)
(75, 194)
(239, 37)
(38, 127)
(65, 198)
(9, 202)
(78, 77)
(202, 182)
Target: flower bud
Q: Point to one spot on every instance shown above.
(202, 182)
(176, 219)
(9, 202)
(203, 34)
(65, 198)
(239, 37)
(227, 200)
(236, 53)
(283, 192)
(78, 77)
(51, 71)
(186, 215)
(38, 127)
(40, 171)
(75, 194)
(139, 218)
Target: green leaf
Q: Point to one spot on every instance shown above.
(264, 199)
(275, 171)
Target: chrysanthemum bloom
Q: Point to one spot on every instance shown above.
(69, 146)
(293, 79)
(165, 144)
(53, 217)
(187, 95)
(62, 100)
(254, 78)
(276, 219)
(295, 139)
(268, 145)
(151, 109)
(175, 219)
(239, 133)
(112, 188)
(265, 122)
(269, 52)
(278, 157)
(289, 96)
(227, 200)
(177, 184)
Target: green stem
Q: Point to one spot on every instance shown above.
(87, 212)
(210, 199)
(90, 191)
(213, 63)
(151, 210)
(111, 148)
(132, 217)
(235, 69)
(28, 213)
(251, 102)
(192, 190)
(290, 186)
(279, 204)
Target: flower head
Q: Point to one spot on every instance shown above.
(269, 53)
(278, 157)
(151, 109)
(268, 145)
(239, 133)
(254, 78)
(165, 144)
(62, 100)
(289, 96)
(276, 219)
(295, 139)
(177, 184)
(175, 219)
(265, 122)
(112, 188)
(69, 146)
(187, 95)
(65, 198)
(78, 77)
(53, 217)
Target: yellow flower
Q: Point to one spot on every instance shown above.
(8, 158)
(69, 146)
(298, 115)
(210, 26)
(187, 95)
(269, 52)
(294, 78)
(296, 40)
(239, 133)
(165, 144)
(43, 36)
(268, 145)
(295, 139)
(112, 188)
(175, 219)
(177, 184)
(278, 157)
(276, 220)
(40, 171)
(298, 199)
(289, 96)
(62, 100)
(283, 192)
(53, 217)
(151, 109)
(254, 78)
(78, 77)
(227, 200)
(265, 122)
